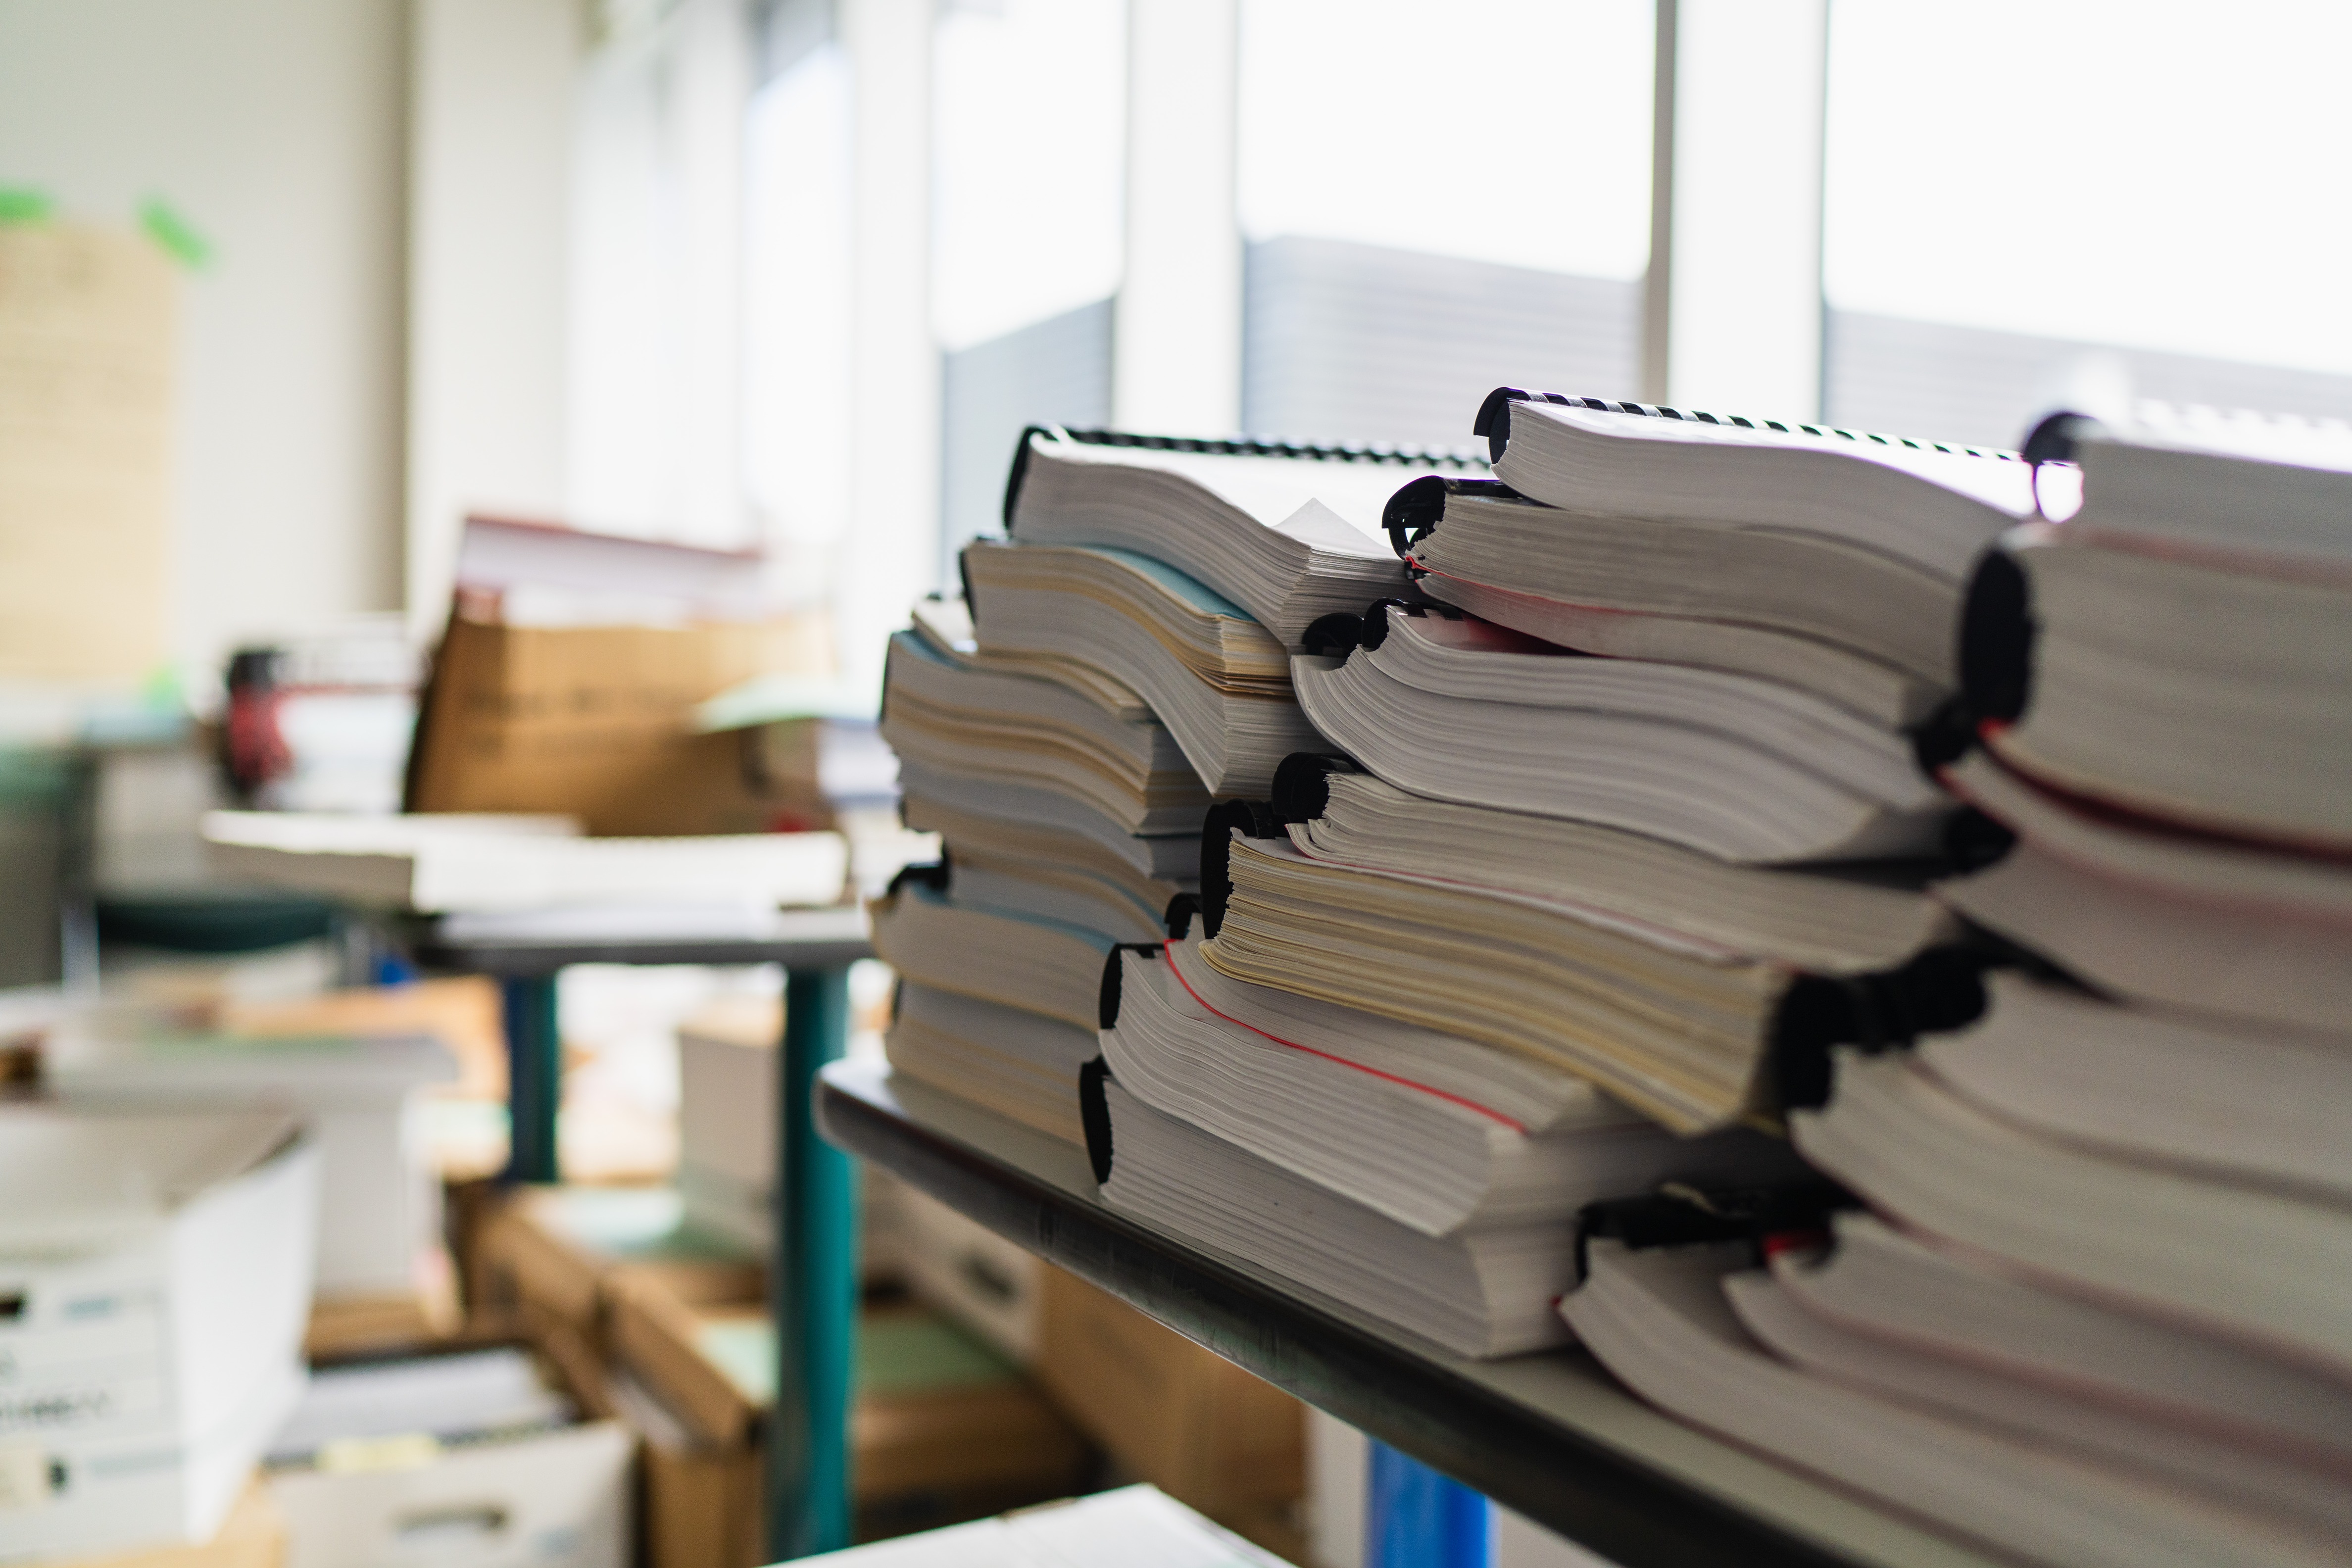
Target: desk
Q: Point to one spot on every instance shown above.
(812, 1281)
(1551, 1434)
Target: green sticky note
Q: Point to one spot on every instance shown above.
(744, 1351)
(913, 1352)
(175, 234)
(21, 203)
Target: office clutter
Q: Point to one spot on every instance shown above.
(940, 1427)
(568, 673)
(1764, 901)
(322, 722)
(993, 1380)
(478, 1450)
(1771, 904)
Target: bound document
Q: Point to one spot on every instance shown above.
(1825, 559)
(1289, 530)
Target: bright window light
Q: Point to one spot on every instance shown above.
(796, 304)
(1508, 131)
(1028, 118)
(2160, 176)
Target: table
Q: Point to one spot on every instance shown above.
(813, 1286)
(1551, 1436)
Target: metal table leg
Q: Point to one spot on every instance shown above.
(813, 1288)
(534, 1076)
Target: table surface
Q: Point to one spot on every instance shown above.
(1552, 1435)
(798, 939)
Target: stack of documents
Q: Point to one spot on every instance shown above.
(1118, 665)
(1310, 1130)
(2095, 1311)
(1425, 1178)
(1070, 821)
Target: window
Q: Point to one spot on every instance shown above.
(1411, 242)
(2041, 201)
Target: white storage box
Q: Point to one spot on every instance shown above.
(727, 1119)
(965, 1271)
(727, 1088)
(467, 1459)
(380, 1201)
(727, 1116)
(154, 1283)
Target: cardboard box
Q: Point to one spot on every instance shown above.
(1172, 1413)
(552, 1249)
(252, 1536)
(701, 1505)
(346, 1326)
(539, 1495)
(592, 723)
(942, 1429)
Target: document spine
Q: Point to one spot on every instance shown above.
(1458, 458)
(1494, 423)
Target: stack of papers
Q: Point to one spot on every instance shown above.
(2096, 1312)
(1138, 1524)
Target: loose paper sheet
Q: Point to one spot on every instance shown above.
(88, 338)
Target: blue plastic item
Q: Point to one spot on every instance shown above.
(1416, 1518)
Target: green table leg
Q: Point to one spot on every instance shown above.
(812, 1285)
(534, 1076)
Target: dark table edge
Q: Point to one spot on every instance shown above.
(1560, 1478)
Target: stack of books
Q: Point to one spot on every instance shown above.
(1115, 667)
(1867, 960)
(2094, 1310)
(1645, 893)
(1424, 1169)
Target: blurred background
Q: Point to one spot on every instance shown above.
(289, 289)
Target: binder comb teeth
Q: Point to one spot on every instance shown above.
(1461, 457)
(1494, 423)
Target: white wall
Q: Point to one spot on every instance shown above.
(277, 127)
(490, 254)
